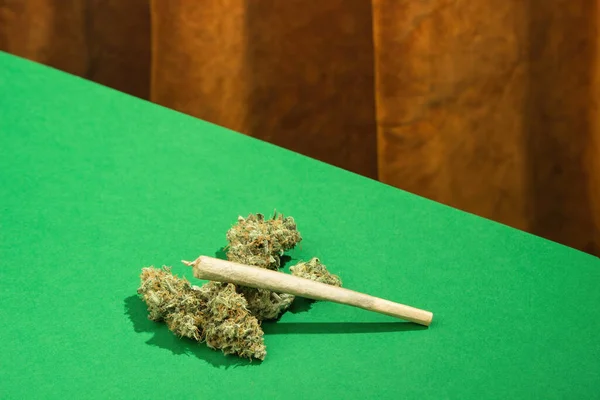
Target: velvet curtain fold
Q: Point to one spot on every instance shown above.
(488, 106)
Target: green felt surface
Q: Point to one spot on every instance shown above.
(95, 185)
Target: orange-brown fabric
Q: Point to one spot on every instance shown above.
(486, 106)
(450, 82)
(295, 73)
(51, 32)
(107, 41)
(592, 159)
(119, 37)
(489, 106)
(560, 129)
(198, 60)
(312, 79)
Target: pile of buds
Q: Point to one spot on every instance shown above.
(225, 316)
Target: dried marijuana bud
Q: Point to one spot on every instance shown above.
(264, 304)
(261, 242)
(315, 271)
(224, 315)
(230, 326)
(214, 313)
(172, 300)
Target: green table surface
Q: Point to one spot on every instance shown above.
(95, 185)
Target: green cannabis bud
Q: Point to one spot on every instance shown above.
(315, 271)
(173, 301)
(261, 242)
(214, 313)
(223, 315)
(230, 326)
(265, 304)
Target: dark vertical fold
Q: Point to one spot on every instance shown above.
(561, 52)
(311, 79)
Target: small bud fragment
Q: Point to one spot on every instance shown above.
(264, 304)
(315, 271)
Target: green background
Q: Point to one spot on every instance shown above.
(95, 185)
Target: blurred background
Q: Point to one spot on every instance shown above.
(489, 106)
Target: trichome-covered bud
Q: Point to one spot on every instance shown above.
(214, 312)
(265, 304)
(261, 242)
(230, 326)
(315, 271)
(172, 300)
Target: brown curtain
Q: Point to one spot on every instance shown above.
(489, 106)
